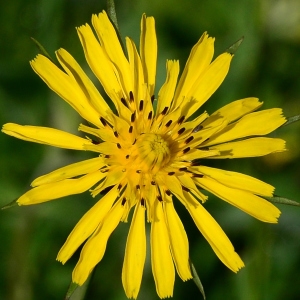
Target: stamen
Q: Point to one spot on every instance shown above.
(130, 129)
(131, 98)
(180, 121)
(189, 139)
(168, 192)
(186, 150)
(169, 123)
(116, 134)
(139, 171)
(119, 186)
(123, 201)
(165, 110)
(103, 121)
(127, 156)
(181, 130)
(153, 182)
(138, 187)
(132, 117)
(124, 102)
(152, 98)
(150, 115)
(107, 156)
(198, 175)
(198, 128)
(183, 169)
(159, 198)
(141, 105)
(185, 189)
(143, 202)
(134, 142)
(171, 173)
(119, 146)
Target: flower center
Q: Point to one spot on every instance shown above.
(152, 152)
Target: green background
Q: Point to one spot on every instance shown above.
(267, 66)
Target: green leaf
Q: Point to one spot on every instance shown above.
(291, 120)
(42, 49)
(282, 200)
(197, 279)
(77, 292)
(9, 205)
(232, 49)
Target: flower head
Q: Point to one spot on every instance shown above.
(147, 156)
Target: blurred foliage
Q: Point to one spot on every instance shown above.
(267, 65)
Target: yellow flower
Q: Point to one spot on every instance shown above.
(150, 156)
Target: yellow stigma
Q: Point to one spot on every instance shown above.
(151, 152)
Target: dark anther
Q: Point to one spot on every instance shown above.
(127, 156)
(185, 189)
(159, 198)
(198, 128)
(150, 115)
(169, 123)
(204, 148)
(143, 202)
(189, 139)
(171, 173)
(184, 169)
(131, 98)
(119, 146)
(95, 142)
(181, 130)
(141, 105)
(123, 201)
(181, 120)
(139, 171)
(152, 98)
(134, 142)
(165, 110)
(124, 102)
(119, 186)
(198, 175)
(168, 192)
(153, 182)
(103, 121)
(138, 187)
(130, 129)
(132, 117)
(107, 156)
(116, 134)
(186, 150)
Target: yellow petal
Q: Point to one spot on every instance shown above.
(161, 258)
(253, 205)
(66, 187)
(148, 51)
(73, 170)
(249, 148)
(65, 86)
(215, 236)
(179, 242)
(198, 61)
(83, 82)
(135, 254)
(238, 181)
(234, 110)
(166, 93)
(207, 84)
(45, 135)
(87, 225)
(256, 123)
(112, 47)
(99, 62)
(94, 248)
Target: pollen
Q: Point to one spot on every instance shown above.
(152, 152)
